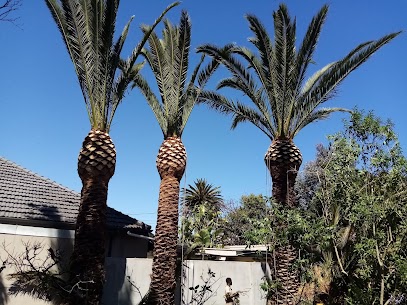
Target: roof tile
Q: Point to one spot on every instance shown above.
(27, 196)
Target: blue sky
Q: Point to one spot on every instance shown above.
(44, 121)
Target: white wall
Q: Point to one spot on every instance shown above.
(246, 276)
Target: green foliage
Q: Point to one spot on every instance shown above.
(249, 222)
(201, 224)
(87, 28)
(355, 222)
(168, 59)
(274, 76)
(203, 193)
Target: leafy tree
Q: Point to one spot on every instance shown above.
(356, 220)
(249, 222)
(87, 28)
(168, 59)
(284, 102)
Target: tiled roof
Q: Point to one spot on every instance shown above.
(28, 198)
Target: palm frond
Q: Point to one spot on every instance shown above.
(284, 57)
(87, 28)
(264, 46)
(148, 30)
(308, 45)
(189, 96)
(315, 78)
(243, 113)
(225, 56)
(268, 108)
(182, 54)
(118, 93)
(169, 61)
(152, 100)
(324, 88)
(317, 115)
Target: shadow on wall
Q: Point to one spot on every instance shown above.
(127, 280)
(3, 292)
(46, 256)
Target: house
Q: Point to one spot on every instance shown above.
(34, 208)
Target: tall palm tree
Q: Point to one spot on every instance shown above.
(203, 193)
(284, 102)
(168, 59)
(87, 28)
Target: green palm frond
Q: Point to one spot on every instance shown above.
(203, 193)
(87, 28)
(168, 59)
(244, 113)
(284, 57)
(273, 77)
(152, 100)
(325, 86)
(317, 115)
(217, 102)
(308, 45)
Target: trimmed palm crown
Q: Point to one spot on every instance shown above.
(168, 59)
(275, 80)
(88, 28)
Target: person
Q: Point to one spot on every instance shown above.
(231, 298)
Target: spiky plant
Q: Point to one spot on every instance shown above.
(284, 101)
(203, 193)
(168, 59)
(87, 28)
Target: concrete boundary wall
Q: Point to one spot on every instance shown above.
(246, 277)
(128, 279)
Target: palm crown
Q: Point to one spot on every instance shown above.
(169, 59)
(203, 193)
(87, 28)
(285, 102)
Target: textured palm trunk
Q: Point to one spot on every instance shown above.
(289, 284)
(96, 165)
(171, 162)
(283, 159)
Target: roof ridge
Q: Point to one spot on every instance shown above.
(38, 175)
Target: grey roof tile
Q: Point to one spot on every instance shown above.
(28, 197)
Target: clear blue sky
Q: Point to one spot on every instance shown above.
(44, 121)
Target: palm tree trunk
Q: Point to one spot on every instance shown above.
(171, 162)
(283, 160)
(288, 291)
(96, 165)
(283, 178)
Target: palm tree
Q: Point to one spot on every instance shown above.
(201, 221)
(168, 59)
(203, 193)
(284, 102)
(87, 28)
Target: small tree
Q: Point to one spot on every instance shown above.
(201, 224)
(248, 223)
